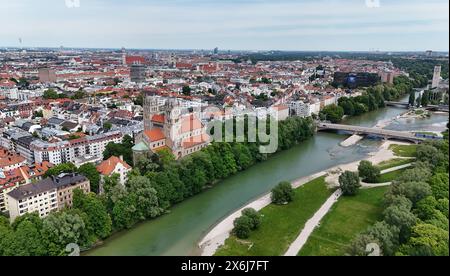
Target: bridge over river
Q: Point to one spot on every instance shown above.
(441, 108)
(386, 134)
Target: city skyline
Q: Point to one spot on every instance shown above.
(359, 25)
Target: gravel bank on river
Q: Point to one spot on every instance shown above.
(220, 232)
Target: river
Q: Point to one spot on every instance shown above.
(177, 233)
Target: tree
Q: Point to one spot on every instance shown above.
(388, 236)
(166, 157)
(349, 183)
(98, 222)
(427, 240)
(412, 98)
(80, 94)
(242, 227)
(50, 94)
(27, 239)
(414, 191)
(62, 168)
(368, 171)
(360, 109)
(254, 216)
(425, 98)
(90, 171)
(426, 208)
(439, 185)
(348, 106)
(359, 246)
(417, 173)
(6, 237)
(124, 213)
(186, 90)
(430, 154)
(332, 113)
(283, 193)
(124, 149)
(442, 206)
(402, 218)
(147, 205)
(38, 114)
(61, 229)
(107, 126)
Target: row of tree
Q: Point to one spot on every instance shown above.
(154, 185)
(417, 209)
(372, 99)
(428, 97)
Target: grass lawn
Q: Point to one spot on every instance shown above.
(391, 176)
(394, 163)
(404, 150)
(280, 224)
(348, 217)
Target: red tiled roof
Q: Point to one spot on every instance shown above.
(155, 135)
(108, 166)
(195, 140)
(158, 118)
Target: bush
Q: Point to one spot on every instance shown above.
(242, 227)
(254, 216)
(282, 193)
(369, 172)
(349, 183)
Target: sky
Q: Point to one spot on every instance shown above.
(306, 25)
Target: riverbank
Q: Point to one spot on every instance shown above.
(217, 236)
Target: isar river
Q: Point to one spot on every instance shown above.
(178, 233)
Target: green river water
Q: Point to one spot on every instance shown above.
(178, 233)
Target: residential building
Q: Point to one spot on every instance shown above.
(138, 73)
(48, 195)
(301, 109)
(115, 165)
(66, 151)
(39, 197)
(47, 75)
(436, 77)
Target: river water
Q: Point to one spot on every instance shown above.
(178, 233)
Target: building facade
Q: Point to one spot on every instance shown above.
(67, 151)
(436, 77)
(170, 125)
(48, 195)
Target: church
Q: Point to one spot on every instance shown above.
(167, 125)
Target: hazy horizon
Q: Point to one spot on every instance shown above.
(242, 25)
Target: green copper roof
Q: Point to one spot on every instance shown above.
(140, 147)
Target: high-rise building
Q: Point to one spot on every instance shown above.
(436, 76)
(137, 73)
(47, 75)
(216, 51)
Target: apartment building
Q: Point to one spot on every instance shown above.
(40, 197)
(301, 109)
(48, 195)
(67, 151)
(66, 184)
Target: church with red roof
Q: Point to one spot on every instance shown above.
(168, 127)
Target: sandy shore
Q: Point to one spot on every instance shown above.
(218, 234)
(351, 141)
